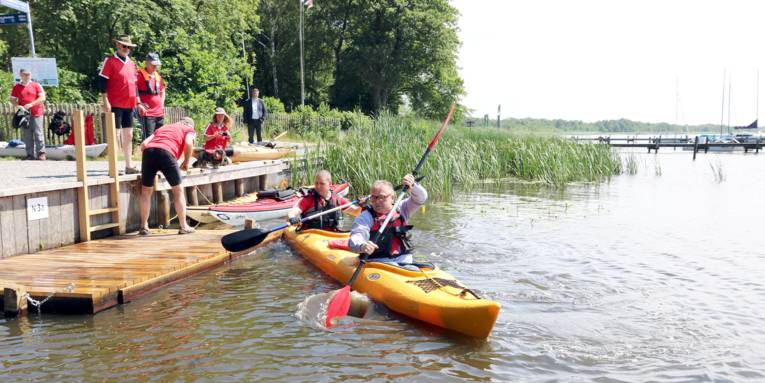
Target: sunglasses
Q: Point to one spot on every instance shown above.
(380, 196)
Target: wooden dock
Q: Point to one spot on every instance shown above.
(654, 143)
(89, 277)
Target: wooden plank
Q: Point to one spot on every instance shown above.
(53, 227)
(104, 226)
(114, 187)
(70, 224)
(20, 224)
(82, 175)
(7, 232)
(103, 211)
(34, 242)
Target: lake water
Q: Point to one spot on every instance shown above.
(658, 276)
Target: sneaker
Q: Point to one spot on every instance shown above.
(132, 171)
(41, 157)
(144, 231)
(188, 230)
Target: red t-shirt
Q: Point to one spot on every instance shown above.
(171, 138)
(121, 81)
(217, 142)
(153, 99)
(24, 94)
(306, 203)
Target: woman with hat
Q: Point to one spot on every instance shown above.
(217, 136)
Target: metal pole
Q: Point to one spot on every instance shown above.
(302, 81)
(31, 34)
(499, 107)
(722, 112)
(729, 89)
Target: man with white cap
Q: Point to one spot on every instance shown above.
(151, 95)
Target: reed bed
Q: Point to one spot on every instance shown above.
(391, 147)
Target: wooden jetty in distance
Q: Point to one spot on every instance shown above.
(654, 143)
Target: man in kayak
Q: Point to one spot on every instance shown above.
(394, 245)
(161, 152)
(320, 198)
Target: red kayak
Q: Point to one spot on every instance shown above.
(264, 208)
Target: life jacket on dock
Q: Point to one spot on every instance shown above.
(329, 221)
(395, 239)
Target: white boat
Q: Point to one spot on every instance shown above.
(52, 152)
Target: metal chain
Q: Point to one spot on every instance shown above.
(38, 304)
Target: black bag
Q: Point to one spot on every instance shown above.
(21, 119)
(58, 124)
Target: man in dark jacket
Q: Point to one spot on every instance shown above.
(254, 114)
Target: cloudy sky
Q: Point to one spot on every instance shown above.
(648, 60)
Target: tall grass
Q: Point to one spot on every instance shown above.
(391, 147)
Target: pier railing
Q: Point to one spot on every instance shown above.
(7, 132)
(684, 142)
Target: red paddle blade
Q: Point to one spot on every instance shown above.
(339, 305)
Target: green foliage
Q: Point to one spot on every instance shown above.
(362, 54)
(273, 105)
(392, 145)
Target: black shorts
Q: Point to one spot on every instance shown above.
(123, 117)
(150, 124)
(156, 159)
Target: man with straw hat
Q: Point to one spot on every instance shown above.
(117, 83)
(151, 93)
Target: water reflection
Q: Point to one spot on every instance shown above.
(649, 277)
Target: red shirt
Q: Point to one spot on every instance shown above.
(121, 81)
(306, 203)
(24, 94)
(217, 142)
(171, 138)
(154, 98)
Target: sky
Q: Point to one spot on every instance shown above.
(589, 60)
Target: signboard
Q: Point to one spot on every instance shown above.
(13, 18)
(16, 4)
(37, 208)
(43, 69)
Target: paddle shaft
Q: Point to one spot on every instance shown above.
(379, 232)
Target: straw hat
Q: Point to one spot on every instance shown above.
(124, 40)
(227, 119)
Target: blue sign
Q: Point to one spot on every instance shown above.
(14, 18)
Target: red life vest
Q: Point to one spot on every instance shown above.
(329, 221)
(394, 240)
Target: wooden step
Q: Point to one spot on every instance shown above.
(103, 211)
(104, 226)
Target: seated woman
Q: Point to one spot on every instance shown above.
(217, 137)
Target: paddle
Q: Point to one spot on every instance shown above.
(245, 239)
(340, 302)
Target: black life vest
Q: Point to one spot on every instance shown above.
(394, 240)
(329, 221)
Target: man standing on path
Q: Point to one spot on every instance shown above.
(117, 83)
(151, 92)
(254, 114)
(30, 96)
(161, 152)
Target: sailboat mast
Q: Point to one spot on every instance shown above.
(722, 111)
(729, 81)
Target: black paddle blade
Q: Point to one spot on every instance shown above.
(243, 239)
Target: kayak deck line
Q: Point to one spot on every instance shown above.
(89, 277)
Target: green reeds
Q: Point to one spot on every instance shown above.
(391, 147)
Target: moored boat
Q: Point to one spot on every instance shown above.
(52, 152)
(263, 208)
(430, 295)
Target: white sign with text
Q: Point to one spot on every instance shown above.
(37, 208)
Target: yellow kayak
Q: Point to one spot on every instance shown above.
(430, 295)
(246, 153)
